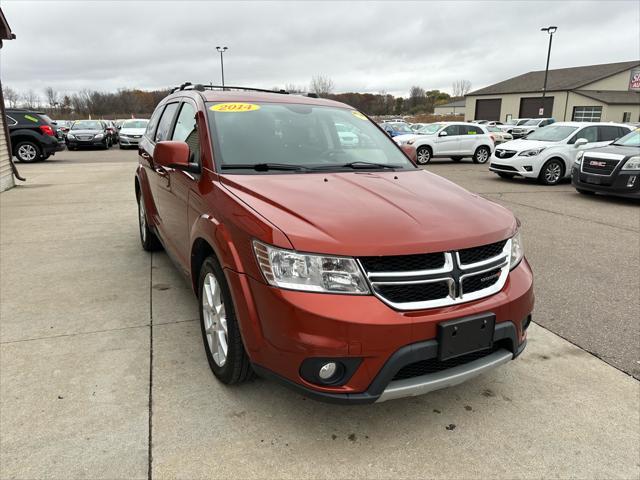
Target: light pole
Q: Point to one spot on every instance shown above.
(550, 30)
(222, 50)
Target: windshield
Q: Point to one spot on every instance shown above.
(629, 140)
(493, 129)
(551, 133)
(305, 136)
(135, 124)
(523, 121)
(430, 129)
(533, 121)
(400, 127)
(86, 125)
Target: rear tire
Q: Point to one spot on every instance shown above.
(219, 326)
(456, 159)
(552, 172)
(27, 151)
(147, 237)
(481, 155)
(423, 155)
(505, 175)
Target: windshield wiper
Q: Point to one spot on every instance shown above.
(359, 166)
(263, 167)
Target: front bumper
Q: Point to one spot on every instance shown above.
(615, 184)
(528, 167)
(75, 142)
(129, 141)
(281, 329)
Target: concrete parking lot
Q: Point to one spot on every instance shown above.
(103, 373)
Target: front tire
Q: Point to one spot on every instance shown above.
(552, 172)
(482, 155)
(220, 331)
(27, 152)
(147, 237)
(423, 155)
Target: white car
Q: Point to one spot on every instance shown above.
(511, 124)
(131, 132)
(348, 137)
(530, 126)
(450, 139)
(548, 153)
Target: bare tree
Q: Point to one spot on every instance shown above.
(11, 97)
(417, 96)
(31, 99)
(460, 88)
(321, 85)
(293, 88)
(53, 99)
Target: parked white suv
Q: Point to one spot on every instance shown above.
(531, 126)
(450, 139)
(548, 153)
(513, 123)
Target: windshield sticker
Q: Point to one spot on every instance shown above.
(357, 114)
(235, 107)
(471, 132)
(29, 117)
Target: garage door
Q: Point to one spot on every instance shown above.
(488, 109)
(530, 107)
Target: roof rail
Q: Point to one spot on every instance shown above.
(201, 88)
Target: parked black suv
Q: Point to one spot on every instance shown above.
(34, 136)
(613, 170)
(88, 133)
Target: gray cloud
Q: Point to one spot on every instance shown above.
(362, 46)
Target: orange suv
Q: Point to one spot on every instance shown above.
(330, 263)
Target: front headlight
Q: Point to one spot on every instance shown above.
(70, 135)
(98, 136)
(517, 252)
(579, 158)
(311, 273)
(531, 153)
(632, 164)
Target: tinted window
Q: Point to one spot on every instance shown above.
(187, 131)
(470, 130)
(162, 133)
(453, 130)
(608, 133)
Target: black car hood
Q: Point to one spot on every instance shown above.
(616, 149)
(85, 132)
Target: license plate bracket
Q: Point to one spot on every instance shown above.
(465, 335)
(594, 180)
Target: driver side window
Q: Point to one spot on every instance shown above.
(186, 131)
(590, 133)
(452, 130)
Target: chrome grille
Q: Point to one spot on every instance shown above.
(413, 282)
(599, 166)
(502, 153)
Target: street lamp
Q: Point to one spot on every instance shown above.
(550, 30)
(222, 50)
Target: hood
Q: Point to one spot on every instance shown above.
(132, 131)
(614, 149)
(521, 145)
(405, 137)
(373, 213)
(85, 132)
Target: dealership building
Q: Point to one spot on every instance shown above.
(600, 93)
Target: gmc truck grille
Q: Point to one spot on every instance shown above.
(413, 282)
(599, 166)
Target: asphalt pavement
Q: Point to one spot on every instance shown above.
(103, 373)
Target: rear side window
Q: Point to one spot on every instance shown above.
(608, 133)
(165, 122)
(470, 130)
(153, 123)
(11, 121)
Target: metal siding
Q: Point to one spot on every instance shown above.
(6, 174)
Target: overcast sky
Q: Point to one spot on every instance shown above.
(362, 46)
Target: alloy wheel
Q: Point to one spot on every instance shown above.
(552, 172)
(215, 319)
(27, 153)
(482, 156)
(424, 156)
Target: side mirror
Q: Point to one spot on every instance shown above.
(176, 155)
(580, 142)
(410, 152)
(443, 134)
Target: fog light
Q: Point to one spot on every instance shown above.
(327, 371)
(632, 181)
(528, 168)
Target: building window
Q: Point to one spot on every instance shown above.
(587, 114)
(626, 117)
